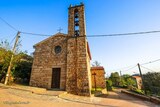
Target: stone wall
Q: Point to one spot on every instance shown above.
(83, 68)
(138, 81)
(89, 65)
(99, 77)
(45, 59)
(74, 60)
(78, 67)
(78, 62)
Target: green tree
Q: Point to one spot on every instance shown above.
(21, 66)
(109, 85)
(5, 45)
(5, 56)
(124, 80)
(115, 78)
(127, 81)
(152, 82)
(130, 83)
(123, 83)
(126, 76)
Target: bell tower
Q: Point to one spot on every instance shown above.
(76, 21)
(78, 61)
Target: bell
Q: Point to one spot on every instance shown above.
(76, 16)
(77, 33)
(76, 23)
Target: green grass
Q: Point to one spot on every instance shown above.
(97, 90)
(138, 91)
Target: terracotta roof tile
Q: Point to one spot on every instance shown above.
(97, 68)
(136, 76)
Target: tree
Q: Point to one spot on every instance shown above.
(123, 83)
(109, 85)
(127, 81)
(96, 64)
(152, 82)
(5, 45)
(126, 76)
(124, 80)
(5, 56)
(115, 78)
(21, 66)
(130, 82)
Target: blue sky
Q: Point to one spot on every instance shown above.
(102, 17)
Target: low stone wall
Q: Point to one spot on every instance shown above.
(99, 93)
(155, 100)
(152, 99)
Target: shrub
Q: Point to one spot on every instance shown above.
(138, 91)
(109, 85)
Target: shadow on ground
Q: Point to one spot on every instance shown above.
(117, 95)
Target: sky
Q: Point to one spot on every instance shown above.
(102, 17)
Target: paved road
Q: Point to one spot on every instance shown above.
(118, 99)
(19, 98)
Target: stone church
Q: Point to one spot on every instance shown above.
(62, 61)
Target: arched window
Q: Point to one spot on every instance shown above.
(76, 22)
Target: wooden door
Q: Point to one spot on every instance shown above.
(56, 77)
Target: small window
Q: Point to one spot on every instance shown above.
(57, 49)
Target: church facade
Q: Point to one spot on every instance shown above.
(63, 60)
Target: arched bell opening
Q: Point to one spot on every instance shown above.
(76, 22)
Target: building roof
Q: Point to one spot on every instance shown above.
(136, 77)
(97, 68)
(62, 35)
(53, 36)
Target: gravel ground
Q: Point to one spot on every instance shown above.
(29, 95)
(19, 98)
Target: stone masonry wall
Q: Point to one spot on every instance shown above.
(45, 59)
(74, 60)
(83, 67)
(100, 78)
(78, 78)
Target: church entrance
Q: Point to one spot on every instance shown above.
(56, 77)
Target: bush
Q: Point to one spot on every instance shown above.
(138, 91)
(109, 85)
(152, 82)
(97, 90)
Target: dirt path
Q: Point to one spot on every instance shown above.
(17, 98)
(118, 99)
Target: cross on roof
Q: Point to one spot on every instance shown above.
(59, 30)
